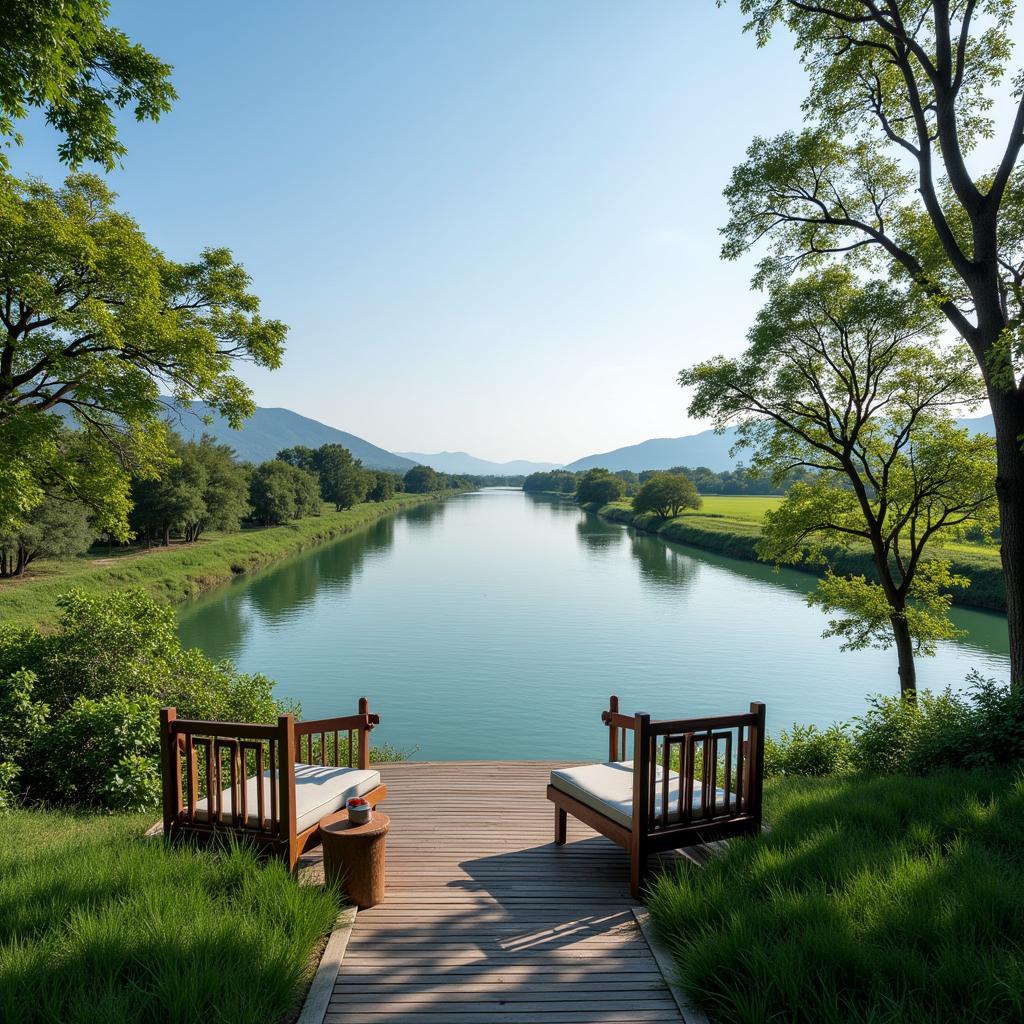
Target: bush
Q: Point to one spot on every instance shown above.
(79, 707)
(980, 729)
(807, 750)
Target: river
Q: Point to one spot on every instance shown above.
(495, 625)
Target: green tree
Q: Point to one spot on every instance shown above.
(301, 456)
(900, 94)
(666, 494)
(173, 500)
(96, 323)
(598, 486)
(422, 480)
(853, 383)
(226, 491)
(63, 58)
(57, 528)
(342, 478)
(383, 486)
(279, 492)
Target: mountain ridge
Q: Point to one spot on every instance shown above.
(463, 462)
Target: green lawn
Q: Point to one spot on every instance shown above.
(182, 570)
(880, 900)
(97, 924)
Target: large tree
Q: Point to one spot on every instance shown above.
(62, 57)
(342, 477)
(96, 325)
(901, 93)
(851, 382)
(666, 494)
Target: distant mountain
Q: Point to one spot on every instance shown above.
(267, 431)
(704, 449)
(462, 462)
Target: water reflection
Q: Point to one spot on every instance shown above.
(220, 624)
(661, 567)
(598, 536)
(419, 517)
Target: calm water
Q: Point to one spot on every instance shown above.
(496, 624)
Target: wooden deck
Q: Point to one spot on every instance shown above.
(486, 921)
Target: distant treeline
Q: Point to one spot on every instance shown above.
(205, 488)
(729, 481)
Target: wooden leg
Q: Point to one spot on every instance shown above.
(560, 825)
(637, 867)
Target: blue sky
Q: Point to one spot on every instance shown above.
(491, 225)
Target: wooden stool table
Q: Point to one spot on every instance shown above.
(354, 856)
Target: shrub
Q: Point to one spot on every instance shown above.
(85, 700)
(807, 750)
(80, 756)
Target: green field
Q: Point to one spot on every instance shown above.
(182, 570)
(731, 525)
(872, 900)
(99, 924)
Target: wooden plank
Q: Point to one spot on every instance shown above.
(321, 991)
(485, 920)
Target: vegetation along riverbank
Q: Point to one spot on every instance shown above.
(729, 525)
(181, 571)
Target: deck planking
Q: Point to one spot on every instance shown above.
(486, 921)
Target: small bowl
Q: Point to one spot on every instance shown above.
(359, 810)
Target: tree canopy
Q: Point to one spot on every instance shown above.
(62, 57)
(97, 325)
(851, 382)
(901, 93)
(666, 494)
(599, 486)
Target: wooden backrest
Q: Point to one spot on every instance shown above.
(721, 757)
(202, 759)
(320, 741)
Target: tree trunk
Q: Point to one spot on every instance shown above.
(905, 656)
(1008, 417)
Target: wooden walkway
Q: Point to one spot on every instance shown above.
(486, 921)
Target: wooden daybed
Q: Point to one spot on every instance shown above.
(664, 805)
(304, 781)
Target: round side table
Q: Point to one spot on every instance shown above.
(354, 857)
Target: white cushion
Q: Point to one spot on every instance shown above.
(319, 791)
(608, 789)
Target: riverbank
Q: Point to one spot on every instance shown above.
(183, 571)
(726, 526)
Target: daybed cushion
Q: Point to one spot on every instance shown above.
(319, 791)
(608, 789)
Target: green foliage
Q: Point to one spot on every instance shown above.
(667, 494)
(980, 729)
(850, 381)
(64, 59)
(202, 488)
(598, 486)
(343, 480)
(58, 527)
(559, 481)
(97, 924)
(279, 493)
(422, 480)
(110, 325)
(808, 750)
(99, 680)
(872, 900)
(99, 752)
(383, 486)
(22, 722)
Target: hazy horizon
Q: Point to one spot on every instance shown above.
(491, 228)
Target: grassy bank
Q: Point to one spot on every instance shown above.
(182, 570)
(890, 900)
(97, 924)
(730, 525)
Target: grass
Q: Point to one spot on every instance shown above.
(181, 571)
(878, 900)
(97, 924)
(731, 525)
